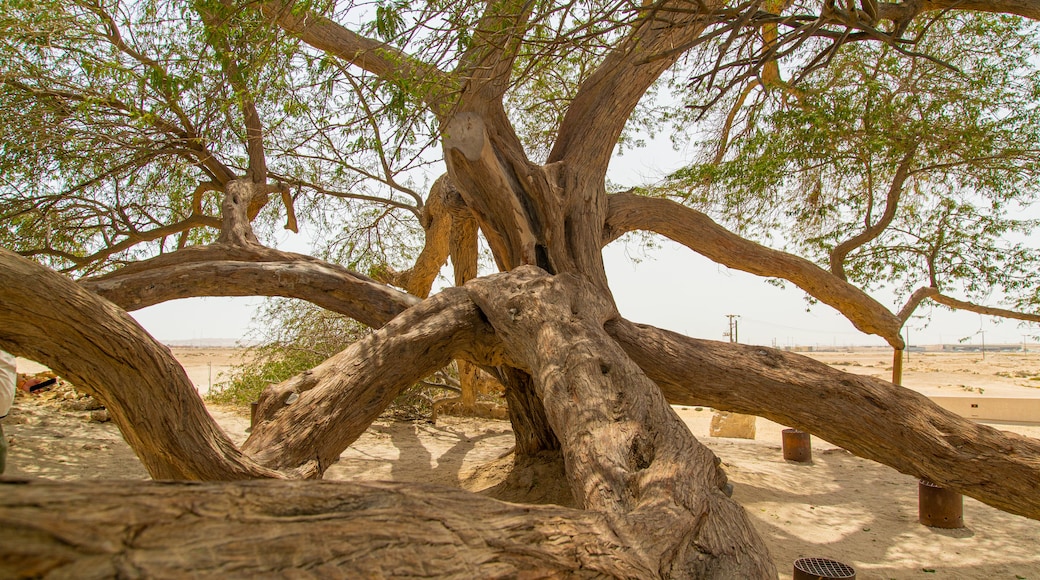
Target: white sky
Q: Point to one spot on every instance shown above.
(671, 288)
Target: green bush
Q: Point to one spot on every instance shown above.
(267, 364)
(299, 336)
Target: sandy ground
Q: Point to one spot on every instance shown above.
(839, 507)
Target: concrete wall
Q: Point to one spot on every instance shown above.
(992, 408)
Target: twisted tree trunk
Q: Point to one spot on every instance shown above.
(559, 341)
(626, 452)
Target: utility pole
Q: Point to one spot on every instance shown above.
(734, 320)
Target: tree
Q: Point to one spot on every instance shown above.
(136, 107)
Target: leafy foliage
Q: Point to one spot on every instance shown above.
(115, 113)
(949, 147)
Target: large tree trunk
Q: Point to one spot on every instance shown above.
(626, 455)
(866, 416)
(626, 452)
(298, 529)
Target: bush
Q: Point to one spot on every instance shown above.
(299, 337)
(267, 364)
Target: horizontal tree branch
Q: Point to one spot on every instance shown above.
(144, 529)
(134, 238)
(900, 11)
(869, 417)
(221, 270)
(980, 309)
(691, 228)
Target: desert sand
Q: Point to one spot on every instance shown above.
(840, 507)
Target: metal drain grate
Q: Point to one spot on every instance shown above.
(823, 568)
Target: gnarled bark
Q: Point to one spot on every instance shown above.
(871, 418)
(305, 423)
(626, 452)
(318, 529)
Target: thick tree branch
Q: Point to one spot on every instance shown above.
(463, 246)
(629, 212)
(376, 57)
(492, 186)
(904, 11)
(243, 200)
(487, 65)
(871, 418)
(51, 319)
(221, 270)
(350, 390)
(605, 101)
(325, 529)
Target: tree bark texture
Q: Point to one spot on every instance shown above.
(297, 529)
(304, 423)
(869, 417)
(626, 452)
